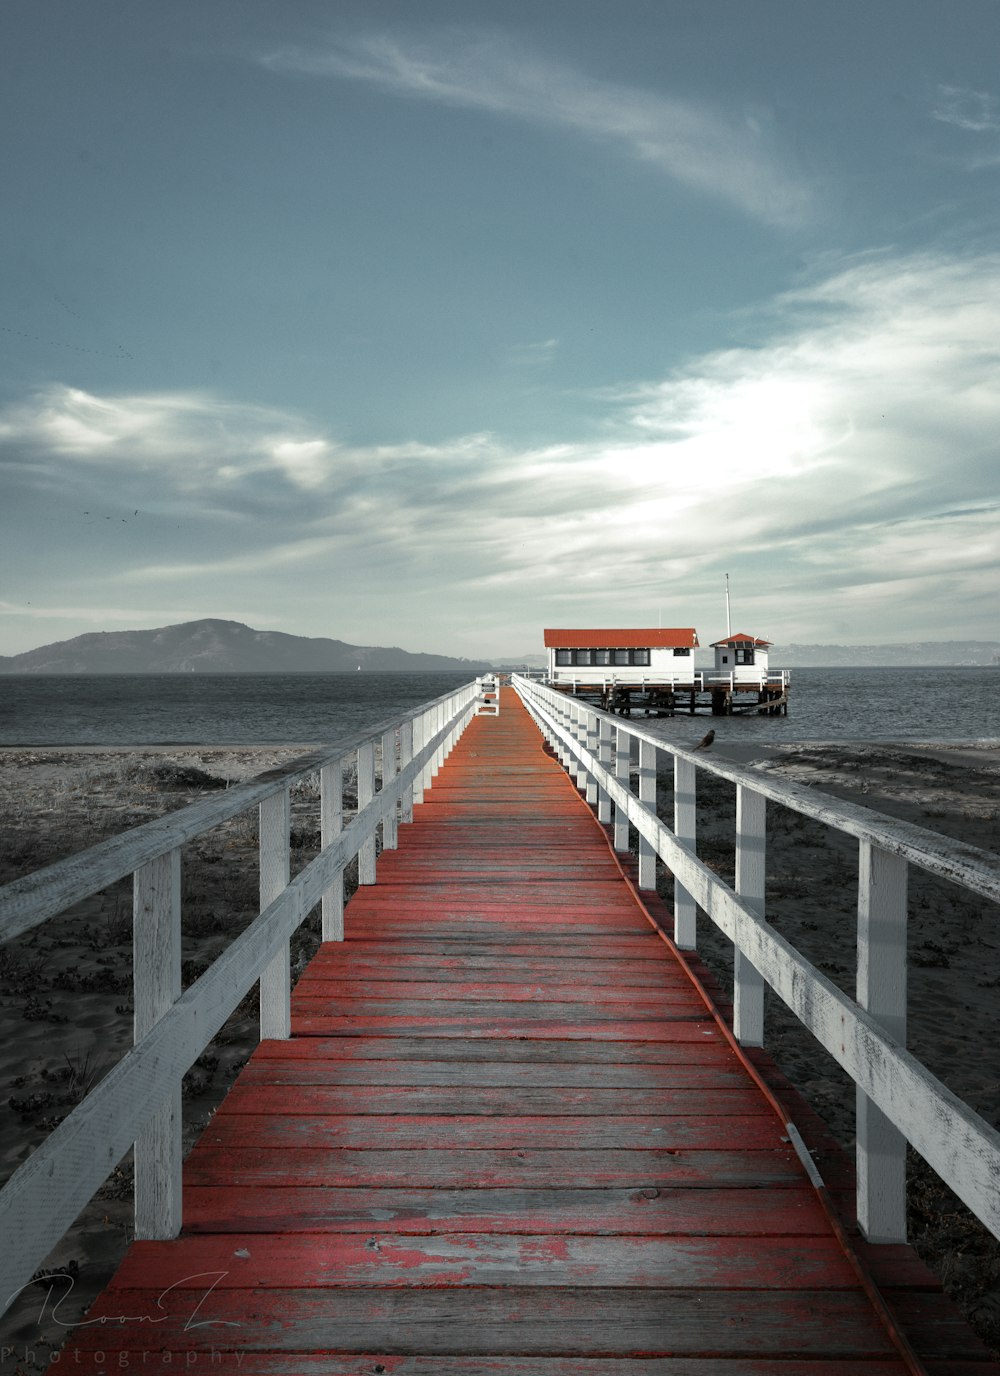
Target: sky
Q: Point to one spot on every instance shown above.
(433, 324)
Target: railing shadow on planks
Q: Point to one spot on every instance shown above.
(138, 1103)
(898, 1099)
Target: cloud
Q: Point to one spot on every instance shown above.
(973, 112)
(730, 157)
(844, 469)
(195, 440)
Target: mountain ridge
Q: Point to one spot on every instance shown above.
(213, 645)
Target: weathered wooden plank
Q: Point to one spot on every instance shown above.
(639, 945)
(313, 1100)
(469, 1130)
(306, 1024)
(689, 1042)
(395, 1364)
(490, 1009)
(644, 1210)
(452, 1169)
(613, 1322)
(493, 967)
(255, 1261)
(550, 989)
(582, 1079)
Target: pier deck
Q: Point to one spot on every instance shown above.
(505, 1137)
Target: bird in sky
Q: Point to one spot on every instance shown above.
(705, 741)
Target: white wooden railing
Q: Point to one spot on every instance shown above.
(139, 1101)
(898, 1099)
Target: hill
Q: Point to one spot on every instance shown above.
(217, 647)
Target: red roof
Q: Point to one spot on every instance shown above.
(657, 638)
(741, 638)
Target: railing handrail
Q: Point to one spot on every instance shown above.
(138, 1101)
(899, 1099)
(26, 902)
(957, 861)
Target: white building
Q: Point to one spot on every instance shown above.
(741, 659)
(663, 657)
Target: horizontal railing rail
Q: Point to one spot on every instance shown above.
(138, 1103)
(899, 1100)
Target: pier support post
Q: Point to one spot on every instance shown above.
(881, 991)
(156, 920)
(331, 823)
(623, 758)
(748, 983)
(276, 977)
(579, 728)
(685, 829)
(366, 793)
(647, 795)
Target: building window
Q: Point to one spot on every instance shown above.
(621, 656)
(640, 656)
(602, 656)
(583, 657)
(564, 656)
(682, 649)
(745, 656)
(725, 659)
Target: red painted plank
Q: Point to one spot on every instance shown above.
(313, 1024)
(718, 1073)
(613, 1322)
(644, 1210)
(255, 1261)
(510, 1133)
(453, 1102)
(318, 986)
(393, 1364)
(691, 1043)
(429, 1168)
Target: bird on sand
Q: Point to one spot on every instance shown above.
(705, 741)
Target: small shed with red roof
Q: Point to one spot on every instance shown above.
(742, 657)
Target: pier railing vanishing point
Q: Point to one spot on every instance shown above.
(898, 1099)
(139, 1101)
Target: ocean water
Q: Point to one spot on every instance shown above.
(945, 704)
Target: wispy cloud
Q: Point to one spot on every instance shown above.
(973, 112)
(732, 157)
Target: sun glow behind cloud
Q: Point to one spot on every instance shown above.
(850, 454)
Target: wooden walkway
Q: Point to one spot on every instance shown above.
(505, 1139)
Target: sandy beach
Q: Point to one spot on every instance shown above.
(66, 1009)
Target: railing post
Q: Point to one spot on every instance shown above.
(390, 835)
(647, 796)
(566, 721)
(156, 977)
(592, 743)
(276, 978)
(881, 991)
(405, 756)
(605, 754)
(748, 984)
(366, 793)
(623, 759)
(331, 822)
(685, 830)
(579, 729)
